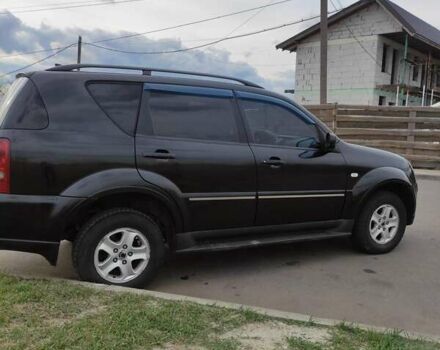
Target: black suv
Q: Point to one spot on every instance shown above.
(132, 167)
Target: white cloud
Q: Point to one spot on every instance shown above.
(19, 37)
(254, 58)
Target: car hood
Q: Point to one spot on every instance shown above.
(368, 158)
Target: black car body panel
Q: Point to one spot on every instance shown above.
(376, 169)
(213, 190)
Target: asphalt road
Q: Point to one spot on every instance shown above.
(325, 279)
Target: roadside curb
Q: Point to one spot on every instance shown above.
(427, 174)
(259, 310)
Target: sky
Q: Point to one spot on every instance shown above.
(254, 58)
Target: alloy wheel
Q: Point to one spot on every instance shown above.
(384, 224)
(122, 255)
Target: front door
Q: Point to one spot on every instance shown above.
(193, 137)
(296, 181)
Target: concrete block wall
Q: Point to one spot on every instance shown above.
(352, 71)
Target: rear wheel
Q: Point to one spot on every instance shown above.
(119, 246)
(381, 224)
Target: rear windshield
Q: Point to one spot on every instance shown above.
(22, 107)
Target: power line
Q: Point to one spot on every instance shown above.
(181, 50)
(68, 7)
(243, 23)
(191, 23)
(39, 61)
(30, 52)
(159, 29)
(173, 51)
(51, 4)
(207, 44)
(248, 20)
(240, 26)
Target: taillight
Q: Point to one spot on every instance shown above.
(5, 161)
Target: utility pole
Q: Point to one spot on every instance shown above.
(324, 45)
(78, 60)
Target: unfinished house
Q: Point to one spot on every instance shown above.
(378, 54)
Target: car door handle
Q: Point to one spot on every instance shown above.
(159, 154)
(273, 162)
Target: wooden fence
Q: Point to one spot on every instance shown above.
(412, 132)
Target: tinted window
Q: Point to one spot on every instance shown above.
(271, 124)
(120, 101)
(193, 117)
(23, 107)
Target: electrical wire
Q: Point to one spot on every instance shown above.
(261, 8)
(248, 20)
(39, 61)
(203, 45)
(60, 3)
(241, 25)
(159, 29)
(7, 12)
(191, 23)
(30, 52)
(172, 51)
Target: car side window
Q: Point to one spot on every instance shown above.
(272, 124)
(192, 116)
(24, 104)
(120, 101)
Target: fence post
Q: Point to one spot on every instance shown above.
(411, 127)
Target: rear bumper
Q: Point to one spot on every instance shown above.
(34, 224)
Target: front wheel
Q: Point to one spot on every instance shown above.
(381, 224)
(119, 246)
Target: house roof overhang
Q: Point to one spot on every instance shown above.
(292, 43)
(412, 25)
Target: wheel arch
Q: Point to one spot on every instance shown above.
(148, 201)
(400, 189)
(384, 179)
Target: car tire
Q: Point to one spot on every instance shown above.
(125, 239)
(381, 224)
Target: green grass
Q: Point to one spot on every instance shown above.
(296, 343)
(37, 314)
(349, 338)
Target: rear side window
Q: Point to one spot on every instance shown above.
(120, 101)
(23, 108)
(193, 116)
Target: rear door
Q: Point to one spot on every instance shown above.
(192, 136)
(296, 181)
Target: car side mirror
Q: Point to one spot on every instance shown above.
(330, 141)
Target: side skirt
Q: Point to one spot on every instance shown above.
(228, 239)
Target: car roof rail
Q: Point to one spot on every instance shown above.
(148, 71)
